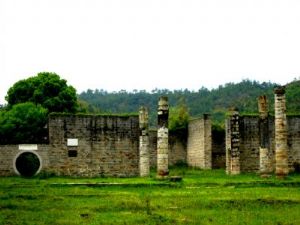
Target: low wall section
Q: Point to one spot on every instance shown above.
(82, 145)
(249, 142)
(199, 143)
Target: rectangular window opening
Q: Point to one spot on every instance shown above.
(72, 153)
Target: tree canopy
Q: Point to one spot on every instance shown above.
(179, 117)
(30, 101)
(46, 89)
(215, 102)
(23, 123)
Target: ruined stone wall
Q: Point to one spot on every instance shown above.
(9, 153)
(249, 142)
(82, 145)
(218, 150)
(177, 149)
(199, 145)
(107, 145)
(293, 123)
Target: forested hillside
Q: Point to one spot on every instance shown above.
(216, 101)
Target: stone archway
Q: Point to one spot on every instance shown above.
(27, 163)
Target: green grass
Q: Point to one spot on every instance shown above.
(203, 197)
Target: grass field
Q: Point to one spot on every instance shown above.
(203, 197)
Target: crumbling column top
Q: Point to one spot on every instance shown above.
(263, 106)
(279, 90)
(163, 101)
(233, 111)
(143, 117)
(143, 109)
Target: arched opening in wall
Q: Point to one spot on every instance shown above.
(27, 164)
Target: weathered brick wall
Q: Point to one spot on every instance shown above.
(199, 143)
(293, 124)
(8, 154)
(177, 149)
(153, 147)
(249, 142)
(207, 142)
(107, 145)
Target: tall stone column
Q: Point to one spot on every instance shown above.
(265, 156)
(144, 143)
(228, 145)
(207, 142)
(234, 152)
(281, 155)
(162, 138)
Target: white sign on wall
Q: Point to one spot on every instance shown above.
(28, 147)
(72, 142)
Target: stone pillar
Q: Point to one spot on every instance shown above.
(162, 138)
(144, 164)
(227, 144)
(281, 155)
(265, 156)
(233, 158)
(207, 142)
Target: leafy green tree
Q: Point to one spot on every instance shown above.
(293, 97)
(85, 107)
(24, 118)
(46, 89)
(216, 102)
(23, 123)
(179, 117)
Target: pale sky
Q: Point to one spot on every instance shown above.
(138, 44)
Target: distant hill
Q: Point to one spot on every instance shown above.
(216, 101)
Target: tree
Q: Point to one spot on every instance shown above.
(46, 89)
(179, 117)
(23, 123)
(30, 100)
(293, 97)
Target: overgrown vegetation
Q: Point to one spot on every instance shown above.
(179, 119)
(24, 118)
(48, 91)
(203, 197)
(23, 123)
(45, 89)
(216, 102)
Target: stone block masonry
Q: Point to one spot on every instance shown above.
(265, 154)
(163, 138)
(199, 145)
(250, 142)
(233, 164)
(144, 143)
(177, 149)
(281, 154)
(83, 145)
(122, 146)
(107, 145)
(9, 154)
